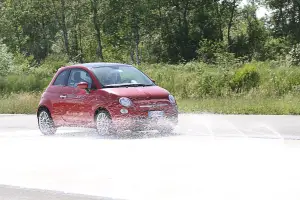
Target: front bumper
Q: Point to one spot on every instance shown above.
(137, 116)
(137, 123)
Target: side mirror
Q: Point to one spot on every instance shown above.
(83, 85)
(153, 80)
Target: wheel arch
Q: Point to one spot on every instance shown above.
(101, 109)
(43, 107)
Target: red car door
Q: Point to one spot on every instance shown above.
(53, 92)
(77, 102)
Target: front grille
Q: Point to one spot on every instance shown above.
(146, 102)
(156, 105)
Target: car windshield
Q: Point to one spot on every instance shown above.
(121, 76)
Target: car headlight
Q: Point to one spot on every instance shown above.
(172, 99)
(124, 101)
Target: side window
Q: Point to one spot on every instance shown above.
(61, 78)
(77, 76)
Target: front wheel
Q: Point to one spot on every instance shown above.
(46, 124)
(103, 123)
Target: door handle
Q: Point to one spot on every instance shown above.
(63, 96)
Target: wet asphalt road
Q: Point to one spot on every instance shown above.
(17, 193)
(253, 126)
(191, 125)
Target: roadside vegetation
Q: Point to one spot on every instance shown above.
(214, 56)
(19, 103)
(251, 88)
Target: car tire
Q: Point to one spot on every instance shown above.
(46, 123)
(103, 123)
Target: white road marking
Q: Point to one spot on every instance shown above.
(236, 129)
(273, 131)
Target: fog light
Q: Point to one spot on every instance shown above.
(124, 111)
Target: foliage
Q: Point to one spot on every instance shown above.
(21, 64)
(286, 105)
(263, 87)
(191, 80)
(159, 31)
(295, 54)
(19, 103)
(275, 49)
(245, 78)
(209, 50)
(26, 103)
(6, 59)
(23, 83)
(194, 48)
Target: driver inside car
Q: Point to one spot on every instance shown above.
(78, 78)
(113, 78)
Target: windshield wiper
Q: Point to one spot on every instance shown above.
(138, 84)
(127, 85)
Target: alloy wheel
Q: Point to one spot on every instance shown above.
(103, 123)
(46, 124)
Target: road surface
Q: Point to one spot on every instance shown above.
(210, 157)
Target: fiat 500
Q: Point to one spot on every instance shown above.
(109, 97)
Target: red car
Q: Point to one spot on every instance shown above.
(110, 97)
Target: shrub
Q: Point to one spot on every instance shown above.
(6, 59)
(245, 78)
(275, 49)
(19, 103)
(213, 84)
(209, 50)
(23, 83)
(21, 64)
(277, 84)
(294, 54)
(50, 65)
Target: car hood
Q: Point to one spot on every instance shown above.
(149, 92)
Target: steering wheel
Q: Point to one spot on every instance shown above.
(126, 81)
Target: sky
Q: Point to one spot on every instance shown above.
(261, 12)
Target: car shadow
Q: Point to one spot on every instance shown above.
(91, 133)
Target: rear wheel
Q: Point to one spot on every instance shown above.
(103, 123)
(46, 124)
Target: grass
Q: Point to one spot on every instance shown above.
(19, 103)
(268, 106)
(252, 88)
(26, 103)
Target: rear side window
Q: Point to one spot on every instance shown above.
(62, 78)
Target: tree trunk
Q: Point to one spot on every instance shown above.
(94, 4)
(160, 32)
(281, 20)
(185, 25)
(233, 6)
(80, 45)
(18, 38)
(297, 12)
(132, 56)
(220, 10)
(137, 39)
(64, 27)
(137, 42)
(62, 24)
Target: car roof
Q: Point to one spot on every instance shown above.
(99, 64)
